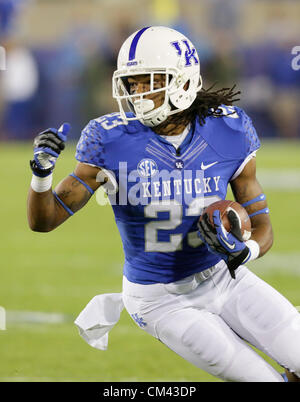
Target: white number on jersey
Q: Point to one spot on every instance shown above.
(110, 121)
(175, 210)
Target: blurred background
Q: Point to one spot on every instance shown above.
(60, 55)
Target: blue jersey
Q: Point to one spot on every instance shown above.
(161, 191)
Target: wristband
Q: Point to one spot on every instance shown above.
(41, 184)
(254, 249)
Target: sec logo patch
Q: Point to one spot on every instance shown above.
(147, 168)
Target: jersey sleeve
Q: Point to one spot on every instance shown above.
(90, 147)
(252, 142)
(251, 137)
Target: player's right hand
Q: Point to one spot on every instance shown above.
(229, 245)
(46, 148)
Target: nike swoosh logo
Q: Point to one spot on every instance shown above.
(204, 167)
(229, 245)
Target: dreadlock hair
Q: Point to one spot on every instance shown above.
(207, 103)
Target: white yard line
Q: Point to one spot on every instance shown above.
(281, 263)
(275, 179)
(36, 317)
(287, 263)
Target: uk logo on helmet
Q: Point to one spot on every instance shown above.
(190, 53)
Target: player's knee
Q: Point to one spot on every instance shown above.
(210, 347)
(225, 357)
(288, 343)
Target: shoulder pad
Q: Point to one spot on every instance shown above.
(90, 145)
(233, 135)
(101, 133)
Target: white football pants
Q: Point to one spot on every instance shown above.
(207, 321)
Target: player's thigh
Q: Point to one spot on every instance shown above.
(265, 318)
(205, 340)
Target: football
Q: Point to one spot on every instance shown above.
(224, 206)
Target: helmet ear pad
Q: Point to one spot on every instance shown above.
(184, 95)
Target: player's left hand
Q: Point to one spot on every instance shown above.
(228, 245)
(47, 147)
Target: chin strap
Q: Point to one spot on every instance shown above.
(143, 105)
(158, 119)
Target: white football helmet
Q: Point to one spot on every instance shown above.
(157, 50)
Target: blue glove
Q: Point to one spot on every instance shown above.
(46, 148)
(228, 245)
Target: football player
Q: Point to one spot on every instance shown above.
(172, 153)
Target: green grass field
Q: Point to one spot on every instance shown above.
(61, 271)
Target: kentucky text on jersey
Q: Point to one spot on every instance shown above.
(160, 193)
(163, 185)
